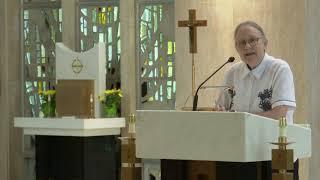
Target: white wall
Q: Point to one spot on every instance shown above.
(313, 88)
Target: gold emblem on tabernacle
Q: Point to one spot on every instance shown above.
(77, 65)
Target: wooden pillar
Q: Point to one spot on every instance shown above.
(11, 152)
(4, 123)
(128, 72)
(128, 57)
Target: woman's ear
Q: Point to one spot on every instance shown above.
(235, 45)
(265, 42)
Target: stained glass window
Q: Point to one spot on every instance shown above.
(100, 23)
(156, 56)
(42, 27)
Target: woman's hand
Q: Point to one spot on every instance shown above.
(218, 107)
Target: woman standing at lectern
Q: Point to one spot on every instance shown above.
(263, 85)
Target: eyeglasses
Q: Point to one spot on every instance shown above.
(252, 42)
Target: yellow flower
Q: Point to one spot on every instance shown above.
(101, 98)
(40, 87)
(110, 93)
(46, 93)
(50, 92)
(113, 91)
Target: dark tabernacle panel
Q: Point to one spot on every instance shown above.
(206, 170)
(77, 158)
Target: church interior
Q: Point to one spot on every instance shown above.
(146, 55)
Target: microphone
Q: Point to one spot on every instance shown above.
(195, 98)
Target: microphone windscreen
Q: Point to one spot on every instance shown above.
(231, 59)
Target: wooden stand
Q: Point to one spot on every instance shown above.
(282, 158)
(131, 166)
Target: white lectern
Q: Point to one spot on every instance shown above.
(213, 136)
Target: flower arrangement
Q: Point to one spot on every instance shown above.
(48, 105)
(111, 99)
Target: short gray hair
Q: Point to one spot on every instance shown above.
(252, 24)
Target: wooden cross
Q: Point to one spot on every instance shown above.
(192, 23)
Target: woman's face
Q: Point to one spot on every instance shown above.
(250, 45)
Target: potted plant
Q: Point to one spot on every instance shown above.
(48, 104)
(111, 100)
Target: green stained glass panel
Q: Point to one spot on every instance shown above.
(170, 48)
(170, 71)
(156, 33)
(156, 96)
(115, 17)
(103, 25)
(110, 35)
(42, 28)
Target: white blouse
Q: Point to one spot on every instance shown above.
(269, 85)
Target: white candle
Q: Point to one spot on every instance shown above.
(283, 131)
(283, 127)
(132, 123)
(91, 98)
(132, 128)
